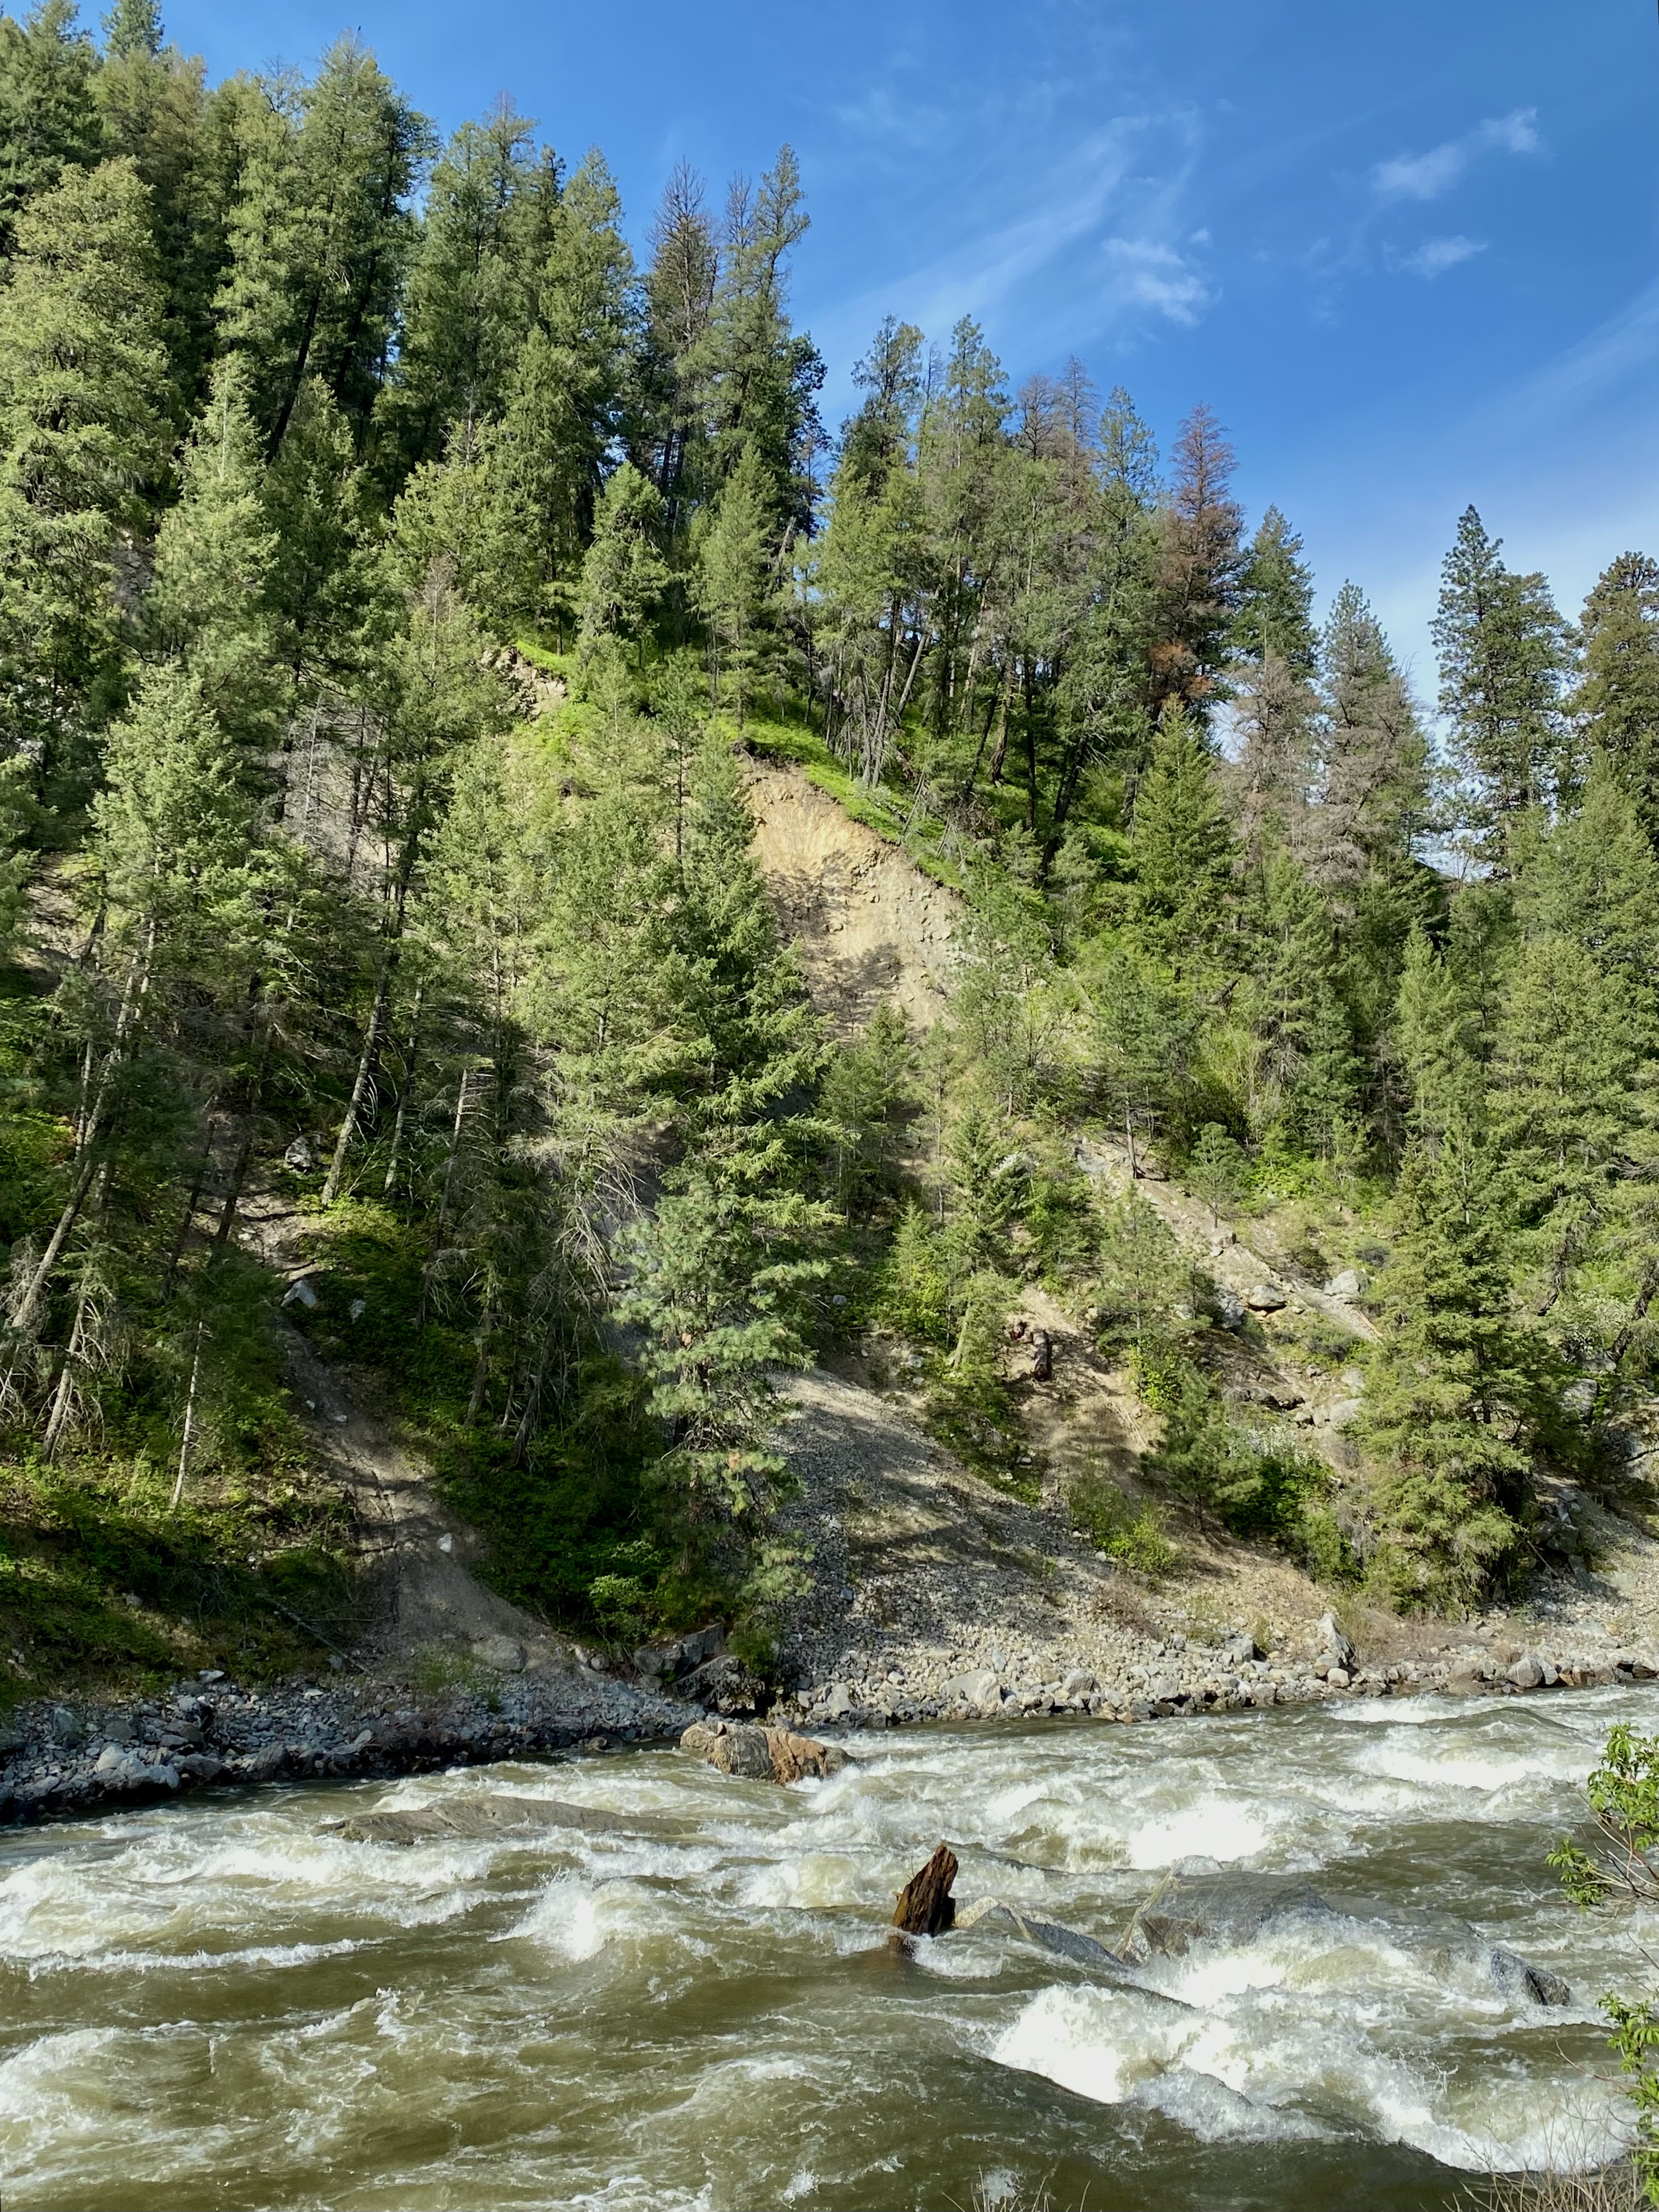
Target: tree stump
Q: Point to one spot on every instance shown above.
(926, 1907)
(1042, 1356)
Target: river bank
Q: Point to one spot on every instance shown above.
(58, 1759)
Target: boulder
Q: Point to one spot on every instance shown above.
(1347, 1283)
(481, 1817)
(1528, 1672)
(996, 1917)
(925, 1906)
(726, 1685)
(1080, 1683)
(1333, 1643)
(501, 1653)
(980, 1688)
(760, 1755)
(1266, 1297)
(1239, 1651)
(1229, 1309)
(837, 1702)
(1340, 1412)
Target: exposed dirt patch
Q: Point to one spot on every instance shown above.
(868, 924)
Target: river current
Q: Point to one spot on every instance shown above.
(217, 2003)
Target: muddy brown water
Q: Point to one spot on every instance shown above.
(220, 2003)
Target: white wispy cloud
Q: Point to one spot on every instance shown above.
(1143, 273)
(1124, 233)
(1426, 176)
(1437, 255)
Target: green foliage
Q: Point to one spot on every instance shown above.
(1133, 1536)
(1217, 1168)
(1623, 1798)
(1451, 1396)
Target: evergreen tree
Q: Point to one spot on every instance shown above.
(321, 235)
(623, 574)
(320, 585)
(82, 383)
(489, 216)
(1275, 598)
(1200, 565)
(761, 377)
(1503, 657)
(1450, 1397)
(564, 407)
(675, 366)
(132, 27)
(1436, 1041)
(1181, 847)
(1373, 777)
(215, 553)
(154, 110)
(735, 565)
(1308, 1059)
(1618, 700)
(47, 119)
(1128, 452)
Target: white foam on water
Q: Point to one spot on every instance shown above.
(817, 1881)
(1225, 1828)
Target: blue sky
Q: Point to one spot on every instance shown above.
(1406, 252)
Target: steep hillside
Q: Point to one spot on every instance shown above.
(924, 1568)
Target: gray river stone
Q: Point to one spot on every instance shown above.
(1229, 1911)
(997, 1916)
(484, 1816)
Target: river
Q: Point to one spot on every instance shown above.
(216, 2003)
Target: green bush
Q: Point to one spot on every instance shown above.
(1135, 1538)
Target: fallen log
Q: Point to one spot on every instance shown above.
(926, 1907)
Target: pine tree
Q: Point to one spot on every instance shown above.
(490, 212)
(675, 365)
(320, 236)
(564, 407)
(1182, 846)
(1618, 700)
(1450, 1396)
(154, 110)
(624, 575)
(1216, 1168)
(320, 585)
(131, 28)
(1308, 1059)
(1436, 1042)
(82, 385)
(1275, 598)
(1200, 565)
(47, 120)
(1502, 661)
(1373, 782)
(761, 377)
(735, 565)
(1128, 452)
(213, 557)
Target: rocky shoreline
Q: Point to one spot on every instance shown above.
(58, 1761)
(1125, 1675)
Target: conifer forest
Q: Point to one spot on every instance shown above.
(407, 553)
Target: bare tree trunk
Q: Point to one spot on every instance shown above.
(405, 1091)
(133, 1000)
(190, 1420)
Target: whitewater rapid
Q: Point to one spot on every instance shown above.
(220, 2003)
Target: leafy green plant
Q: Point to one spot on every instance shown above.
(1132, 1535)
